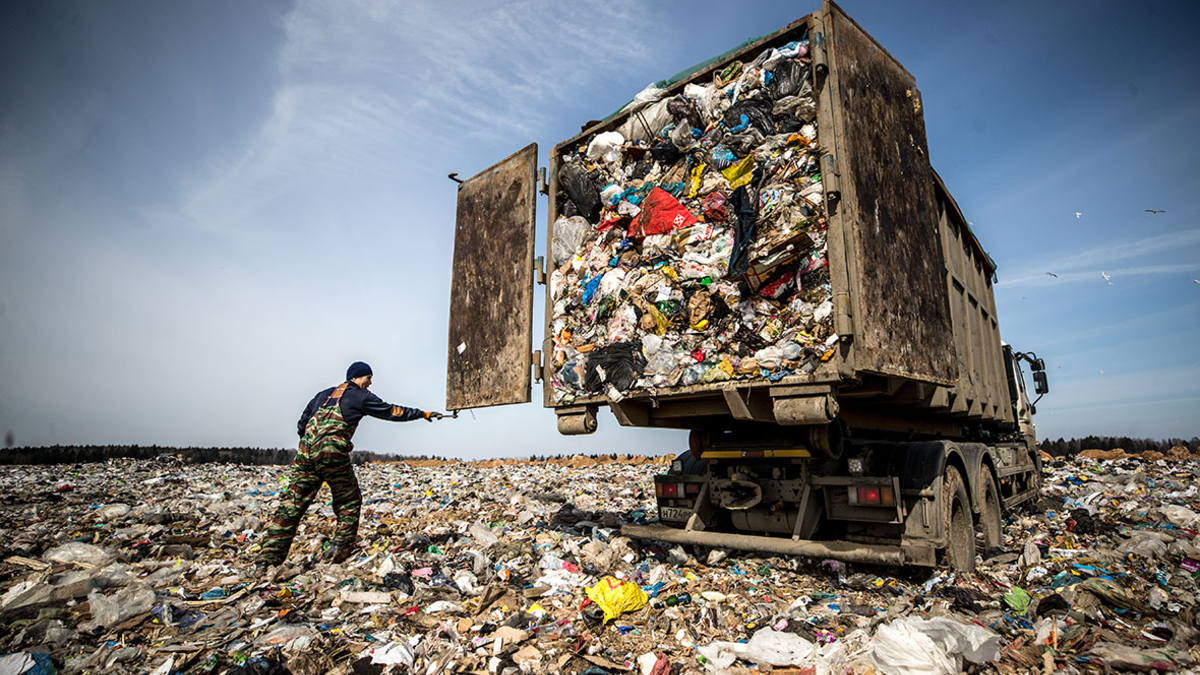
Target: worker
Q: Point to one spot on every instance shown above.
(326, 427)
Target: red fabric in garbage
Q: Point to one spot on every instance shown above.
(661, 213)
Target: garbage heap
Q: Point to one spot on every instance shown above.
(143, 566)
(690, 241)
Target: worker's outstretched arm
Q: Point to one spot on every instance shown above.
(378, 408)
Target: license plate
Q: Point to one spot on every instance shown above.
(674, 513)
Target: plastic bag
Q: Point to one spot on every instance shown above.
(644, 125)
(1180, 516)
(616, 597)
(569, 235)
(483, 535)
(580, 188)
(788, 79)
(645, 97)
(765, 646)
(745, 209)
(606, 146)
(76, 552)
(618, 364)
(284, 635)
(1144, 544)
(937, 646)
(107, 611)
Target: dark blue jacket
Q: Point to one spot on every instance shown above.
(357, 402)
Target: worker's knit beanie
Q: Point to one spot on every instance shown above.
(357, 369)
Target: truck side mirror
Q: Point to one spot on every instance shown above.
(1040, 385)
(1039, 364)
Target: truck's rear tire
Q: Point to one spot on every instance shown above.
(959, 554)
(989, 517)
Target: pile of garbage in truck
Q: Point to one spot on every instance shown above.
(689, 245)
(507, 567)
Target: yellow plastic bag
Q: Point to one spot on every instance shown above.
(740, 174)
(616, 597)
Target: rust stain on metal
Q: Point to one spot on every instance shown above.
(491, 294)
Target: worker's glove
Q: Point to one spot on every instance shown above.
(431, 415)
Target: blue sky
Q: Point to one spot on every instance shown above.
(208, 209)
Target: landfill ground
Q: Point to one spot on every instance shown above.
(144, 566)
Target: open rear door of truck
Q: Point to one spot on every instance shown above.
(491, 294)
(888, 210)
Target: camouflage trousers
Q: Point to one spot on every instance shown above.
(306, 477)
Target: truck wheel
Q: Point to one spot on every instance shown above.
(989, 519)
(960, 531)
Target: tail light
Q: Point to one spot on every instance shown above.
(873, 495)
(668, 490)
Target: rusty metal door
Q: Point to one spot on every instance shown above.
(491, 294)
(893, 245)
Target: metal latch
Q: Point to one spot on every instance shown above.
(543, 185)
(539, 271)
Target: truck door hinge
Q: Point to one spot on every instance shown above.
(539, 270)
(830, 178)
(536, 360)
(543, 185)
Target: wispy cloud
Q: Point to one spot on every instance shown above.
(369, 89)
(1111, 258)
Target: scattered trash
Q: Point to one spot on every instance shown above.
(517, 566)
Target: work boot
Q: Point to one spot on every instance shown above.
(336, 554)
(262, 570)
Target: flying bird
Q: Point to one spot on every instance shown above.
(1052, 274)
(1155, 211)
(1196, 280)
(1106, 278)
(1078, 214)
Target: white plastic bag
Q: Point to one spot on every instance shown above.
(937, 646)
(765, 646)
(649, 95)
(569, 235)
(606, 146)
(76, 552)
(108, 611)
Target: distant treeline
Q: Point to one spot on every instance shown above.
(81, 454)
(1065, 448)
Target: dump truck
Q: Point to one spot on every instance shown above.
(903, 444)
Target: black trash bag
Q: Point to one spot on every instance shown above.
(566, 207)
(400, 581)
(581, 189)
(788, 125)
(619, 364)
(1053, 604)
(665, 151)
(787, 79)
(757, 112)
(745, 209)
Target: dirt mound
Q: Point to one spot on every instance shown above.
(1178, 452)
(1117, 453)
(1153, 455)
(581, 461)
